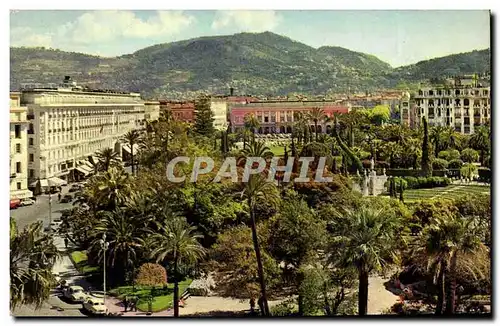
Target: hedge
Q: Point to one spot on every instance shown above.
(421, 182)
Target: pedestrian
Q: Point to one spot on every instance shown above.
(252, 305)
(135, 304)
(66, 242)
(59, 196)
(125, 303)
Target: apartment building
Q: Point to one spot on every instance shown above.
(461, 106)
(18, 149)
(278, 116)
(68, 124)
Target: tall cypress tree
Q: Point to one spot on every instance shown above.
(426, 162)
(204, 121)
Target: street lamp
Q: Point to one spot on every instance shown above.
(104, 247)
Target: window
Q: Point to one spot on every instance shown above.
(19, 186)
(18, 148)
(17, 129)
(31, 173)
(18, 167)
(31, 141)
(32, 157)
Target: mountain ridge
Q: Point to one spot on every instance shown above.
(253, 63)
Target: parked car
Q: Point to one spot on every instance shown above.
(65, 213)
(95, 306)
(55, 224)
(67, 199)
(27, 202)
(14, 203)
(75, 293)
(75, 187)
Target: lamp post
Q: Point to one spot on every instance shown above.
(50, 211)
(104, 247)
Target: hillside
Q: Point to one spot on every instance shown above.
(259, 64)
(455, 64)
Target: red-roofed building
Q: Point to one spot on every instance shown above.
(278, 116)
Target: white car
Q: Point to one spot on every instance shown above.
(95, 306)
(27, 202)
(55, 224)
(75, 293)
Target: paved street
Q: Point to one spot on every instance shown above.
(40, 210)
(54, 305)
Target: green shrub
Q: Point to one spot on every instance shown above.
(449, 155)
(439, 164)
(469, 155)
(285, 308)
(455, 164)
(152, 275)
(422, 182)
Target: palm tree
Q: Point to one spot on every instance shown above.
(125, 235)
(177, 240)
(436, 137)
(316, 115)
(107, 157)
(480, 141)
(256, 149)
(114, 187)
(32, 255)
(259, 189)
(447, 242)
(367, 240)
(131, 138)
(252, 123)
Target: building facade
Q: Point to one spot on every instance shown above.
(18, 149)
(278, 117)
(219, 110)
(68, 124)
(461, 107)
(151, 110)
(179, 110)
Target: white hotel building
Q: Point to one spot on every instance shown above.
(18, 149)
(68, 124)
(462, 106)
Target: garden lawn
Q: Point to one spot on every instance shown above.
(279, 150)
(450, 192)
(80, 260)
(160, 302)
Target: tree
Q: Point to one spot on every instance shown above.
(251, 123)
(296, 234)
(426, 162)
(107, 157)
(316, 114)
(32, 256)
(468, 171)
(132, 138)
(436, 137)
(256, 149)
(380, 114)
(177, 241)
(125, 235)
(113, 187)
(480, 141)
(204, 121)
(352, 157)
(367, 239)
(445, 242)
(259, 189)
(469, 155)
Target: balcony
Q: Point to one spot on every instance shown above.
(31, 132)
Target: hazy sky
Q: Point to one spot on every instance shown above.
(397, 37)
